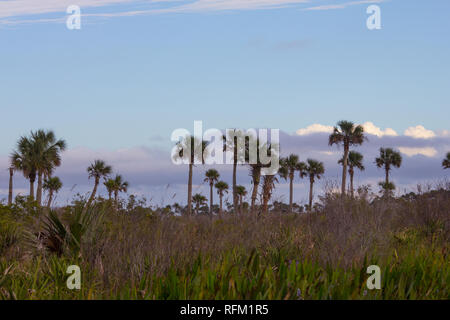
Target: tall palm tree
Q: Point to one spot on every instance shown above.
(49, 151)
(97, 170)
(222, 188)
(25, 159)
(446, 161)
(52, 185)
(191, 143)
(212, 176)
(241, 192)
(109, 184)
(267, 190)
(346, 133)
(10, 191)
(198, 200)
(119, 186)
(388, 159)
(288, 167)
(314, 169)
(355, 160)
(232, 144)
(255, 174)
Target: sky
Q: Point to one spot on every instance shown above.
(137, 70)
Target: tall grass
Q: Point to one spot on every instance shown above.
(319, 255)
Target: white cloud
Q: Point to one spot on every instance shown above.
(427, 151)
(314, 128)
(370, 128)
(419, 132)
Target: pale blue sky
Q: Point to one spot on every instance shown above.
(120, 81)
(118, 87)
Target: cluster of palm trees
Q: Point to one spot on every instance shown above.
(98, 170)
(37, 156)
(345, 134)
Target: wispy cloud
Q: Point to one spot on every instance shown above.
(14, 12)
(342, 5)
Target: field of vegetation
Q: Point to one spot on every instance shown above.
(134, 252)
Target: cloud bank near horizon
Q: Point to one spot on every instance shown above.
(151, 172)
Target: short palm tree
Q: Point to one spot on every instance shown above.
(314, 169)
(288, 167)
(119, 186)
(26, 159)
(109, 184)
(186, 150)
(97, 170)
(10, 191)
(355, 160)
(268, 187)
(241, 192)
(212, 176)
(346, 133)
(446, 161)
(199, 200)
(222, 188)
(388, 159)
(52, 185)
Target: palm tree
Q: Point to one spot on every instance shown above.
(288, 167)
(97, 170)
(212, 176)
(52, 185)
(222, 188)
(347, 134)
(314, 169)
(446, 161)
(109, 184)
(25, 159)
(355, 160)
(198, 200)
(388, 158)
(241, 192)
(268, 187)
(190, 144)
(119, 186)
(232, 144)
(255, 173)
(49, 154)
(10, 191)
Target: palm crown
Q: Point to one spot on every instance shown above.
(99, 169)
(446, 161)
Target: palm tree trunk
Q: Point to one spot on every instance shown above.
(109, 195)
(351, 184)
(189, 201)
(387, 176)
(10, 193)
(32, 178)
(240, 204)
(311, 183)
(50, 198)
(254, 192)
(94, 191)
(220, 208)
(344, 169)
(291, 193)
(39, 189)
(235, 196)
(116, 199)
(211, 198)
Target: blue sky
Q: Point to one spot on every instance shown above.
(129, 79)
